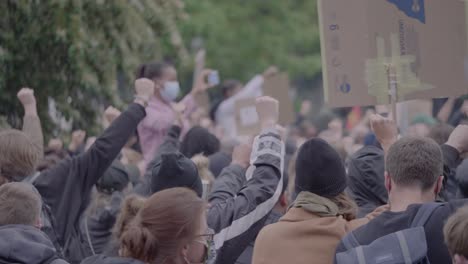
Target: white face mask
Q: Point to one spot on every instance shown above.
(170, 91)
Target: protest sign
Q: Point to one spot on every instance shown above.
(276, 86)
(246, 117)
(424, 42)
(202, 99)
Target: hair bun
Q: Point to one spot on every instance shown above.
(139, 243)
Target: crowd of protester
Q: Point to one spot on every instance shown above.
(170, 182)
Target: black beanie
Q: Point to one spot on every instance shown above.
(175, 170)
(115, 178)
(319, 169)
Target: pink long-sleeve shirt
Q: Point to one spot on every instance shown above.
(159, 118)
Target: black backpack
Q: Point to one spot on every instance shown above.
(408, 246)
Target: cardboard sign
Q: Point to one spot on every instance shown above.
(424, 41)
(277, 86)
(202, 99)
(246, 117)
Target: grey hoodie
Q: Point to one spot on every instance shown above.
(26, 244)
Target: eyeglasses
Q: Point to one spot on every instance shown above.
(208, 242)
(209, 235)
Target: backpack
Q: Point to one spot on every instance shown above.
(408, 246)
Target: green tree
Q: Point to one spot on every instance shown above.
(244, 37)
(74, 50)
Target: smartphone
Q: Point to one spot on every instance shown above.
(213, 78)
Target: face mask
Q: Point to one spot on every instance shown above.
(170, 91)
(210, 252)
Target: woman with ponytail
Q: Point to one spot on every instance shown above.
(160, 115)
(170, 228)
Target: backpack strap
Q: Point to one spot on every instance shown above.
(88, 237)
(404, 247)
(424, 213)
(350, 241)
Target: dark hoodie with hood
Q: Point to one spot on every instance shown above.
(366, 182)
(101, 259)
(22, 244)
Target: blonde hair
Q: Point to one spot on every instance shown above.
(18, 156)
(346, 206)
(456, 232)
(129, 209)
(203, 166)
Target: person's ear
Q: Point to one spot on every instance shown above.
(185, 251)
(457, 259)
(38, 223)
(439, 185)
(283, 201)
(388, 182)
(158, 84)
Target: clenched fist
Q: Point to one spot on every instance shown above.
(111, 114)
(241, 155)
(385, 130)
(144, 89)
(459, 139)
(28, 100)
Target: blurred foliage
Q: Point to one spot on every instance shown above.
(83, 53)
(244, 37)
(74, 50)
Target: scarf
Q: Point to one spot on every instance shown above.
(315, 204)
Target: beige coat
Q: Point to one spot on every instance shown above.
(301, 237)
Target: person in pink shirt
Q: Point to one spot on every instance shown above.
(160, 113)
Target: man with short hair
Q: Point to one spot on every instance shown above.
(21, 240)
(456, 236)
(414, 169)
(65, 188)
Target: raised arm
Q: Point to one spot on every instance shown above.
(31, 122)
(66, 187)
(237, 220)
(452, 150)
(232, 178)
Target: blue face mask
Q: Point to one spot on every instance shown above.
(170, 91)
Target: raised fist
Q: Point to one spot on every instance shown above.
(26, 96)
(144, 88)
(241, 155)
(111, 114)
(385, 129)
(459, 138)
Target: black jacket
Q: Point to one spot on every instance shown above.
(239, 208)
(21, 244)
(101, 259)
(66, 188)
(97, 228)
(246, 256)
(451, 161)
(366, 170)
